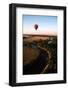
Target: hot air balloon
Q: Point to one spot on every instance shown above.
(36, 26)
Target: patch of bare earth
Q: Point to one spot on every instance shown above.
(30, 55)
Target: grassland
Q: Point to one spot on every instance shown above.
(40, 54)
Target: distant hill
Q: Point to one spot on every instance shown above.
(30, 38)
(29, 35)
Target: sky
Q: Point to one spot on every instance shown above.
(46, 24)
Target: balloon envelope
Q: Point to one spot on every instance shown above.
(36, 26)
